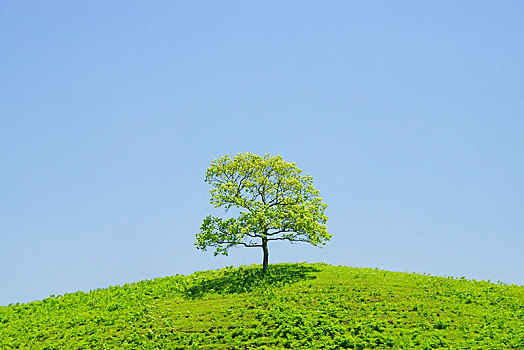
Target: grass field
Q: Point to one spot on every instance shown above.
(295, 306)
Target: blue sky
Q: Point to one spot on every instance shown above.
(408, 115)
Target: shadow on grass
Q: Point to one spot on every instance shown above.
(249, 278)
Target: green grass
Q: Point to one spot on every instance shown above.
(296, 306)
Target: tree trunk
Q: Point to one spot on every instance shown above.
(266, 254)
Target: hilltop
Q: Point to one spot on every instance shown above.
(300, 306)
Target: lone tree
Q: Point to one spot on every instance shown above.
(275, 203)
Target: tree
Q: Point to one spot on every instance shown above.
(275, 203)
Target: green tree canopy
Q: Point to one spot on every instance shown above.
(275, 201)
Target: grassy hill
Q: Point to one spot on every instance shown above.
(300, 306)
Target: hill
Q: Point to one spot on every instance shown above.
(301, 306)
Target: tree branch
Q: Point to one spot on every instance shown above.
(239, 189)
(261, 195)
(287, 239)
(244, 244)
(280, 231)
(253, 235)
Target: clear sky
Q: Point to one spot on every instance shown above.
(409, 116)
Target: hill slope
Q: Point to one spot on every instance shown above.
(311, 306)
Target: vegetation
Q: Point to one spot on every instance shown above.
(276, 203)
(296, 306)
